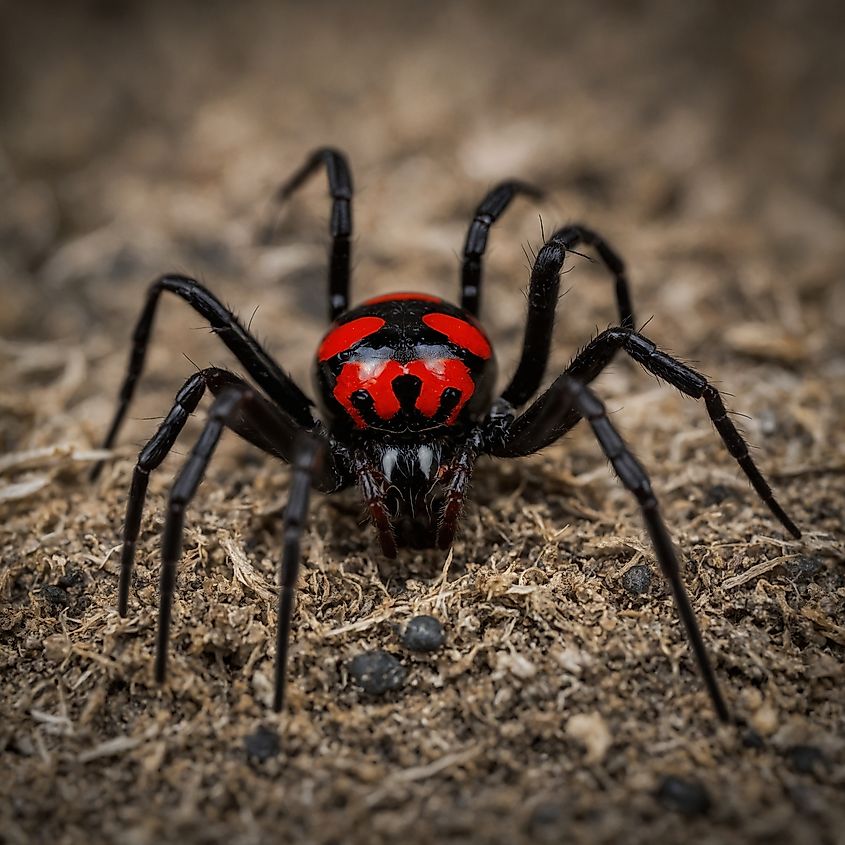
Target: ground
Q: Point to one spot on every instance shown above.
(706, 141)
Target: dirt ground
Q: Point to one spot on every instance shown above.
(707, 141)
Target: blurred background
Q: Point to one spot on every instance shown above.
(705, 140)
(136, 137)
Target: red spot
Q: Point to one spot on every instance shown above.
(436, 376)
(341, 338)
(460, 332)
(390, 297)
(373, 376)
(376, 378)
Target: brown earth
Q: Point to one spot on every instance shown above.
(706, 141)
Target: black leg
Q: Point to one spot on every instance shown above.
(305, 464)
(492, 207)
(151, 457)
(266, 372)
(567, 393)
(189, 478)
(542, 300)
(257, 421)
(546, 419)
(340, 225)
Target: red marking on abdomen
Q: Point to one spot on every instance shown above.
(436, 376)
(342, 337)
(390, 297)
(376, 377)
(460, 332)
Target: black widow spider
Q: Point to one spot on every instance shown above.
(405, 384)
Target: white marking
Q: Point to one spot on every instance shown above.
(388, 462)
(425, 455)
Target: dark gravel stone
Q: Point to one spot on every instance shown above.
(683, 796)
(804, 568)
(806, 759)
(263, 744)
(56, 595)
(377, 672)
(751, 739)
(717, 494)
(546, 821)
(637, 580)
(72, 578)
(423, 633)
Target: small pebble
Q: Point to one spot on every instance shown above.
(767, 421)
(751, 739)
(56, 595)
(423, 633)
(806, 759)
(545, 822)
(637, 579)
(263, 744)
(591, 730)
(803, 568)
(546, 813)
(765, 720)
(716, 494)
(686, 797)
(377, 672)
(72, 578)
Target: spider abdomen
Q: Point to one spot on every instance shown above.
(405, 362)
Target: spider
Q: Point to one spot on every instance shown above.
(406, 395)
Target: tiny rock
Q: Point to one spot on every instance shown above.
(592, 732)
(765, 720)
(377, 672)
(687, 797)
(423, 633)
(517, 665)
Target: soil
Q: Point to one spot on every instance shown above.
(707, 142)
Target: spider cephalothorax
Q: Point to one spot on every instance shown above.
(405, 384)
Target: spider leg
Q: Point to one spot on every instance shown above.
(268, 375)
(567, 393)
(304, 466)
(542, 301)
(227, 405)
(544, 421)
(181, 494)
(151, 457)
(488, 212)
(258, 422)
(340, 225)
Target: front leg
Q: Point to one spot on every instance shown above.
(548, 418)
(279, 386)
(570, 394)
(255, 419)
